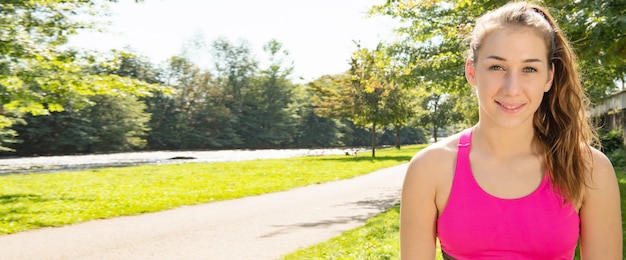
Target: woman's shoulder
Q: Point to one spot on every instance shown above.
(431, 170)
(601, 168)
(437, 157)
(600, 177)
(600, 212)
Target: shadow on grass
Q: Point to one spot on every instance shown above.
(31, 211)
(19, 204)
(24, 198)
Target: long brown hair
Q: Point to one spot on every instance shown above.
(561, 126)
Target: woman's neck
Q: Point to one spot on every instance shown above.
(505, 142)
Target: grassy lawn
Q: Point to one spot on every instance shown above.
(379, 238)
(30, 201)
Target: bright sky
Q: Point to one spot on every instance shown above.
(318, 34)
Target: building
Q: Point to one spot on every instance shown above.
(611, 114)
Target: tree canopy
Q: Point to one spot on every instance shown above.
(74, 100)
(37, 76)
(434, 34)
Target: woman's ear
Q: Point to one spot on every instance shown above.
(470, 73)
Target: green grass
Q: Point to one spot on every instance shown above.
(30, 201)
(379, 238)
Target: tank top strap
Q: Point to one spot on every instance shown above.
(462, 156)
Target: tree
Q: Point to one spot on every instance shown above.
(195, 115)
(108, 124)
(36, 77)
(58, 133)
(120, 123)
(434, 33)
(317, 131)
(401, 105)
(313, 130)
(401, 102)
(234, 69)
(269, 117)
(383, 96)
(103, 123)
(440, 112)
(597, 29)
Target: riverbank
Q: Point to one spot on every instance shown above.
(47, 164)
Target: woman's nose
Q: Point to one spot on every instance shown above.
(512, 83)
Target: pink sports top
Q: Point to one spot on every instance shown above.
(478, 225)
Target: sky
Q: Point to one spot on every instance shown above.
(319, 35)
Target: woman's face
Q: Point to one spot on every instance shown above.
(510, 74)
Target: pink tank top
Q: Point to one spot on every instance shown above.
(477, 225)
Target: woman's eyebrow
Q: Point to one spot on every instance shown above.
(495, 57)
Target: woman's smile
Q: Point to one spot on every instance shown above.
(510, 107)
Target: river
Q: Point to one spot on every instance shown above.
(48, 164)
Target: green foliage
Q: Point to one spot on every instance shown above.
(618, 159)
(195, 115)
(119, 123)
(108, 124)
(332, 96)
(433, 42)
(597, 29)
(317, 131)
(40, 200)
(36, 77)
(371, 95)
(267, 119)
(65, 132)
(439, 113)
(613, 147)
(612, 140)
(408, 135)
(354, 135)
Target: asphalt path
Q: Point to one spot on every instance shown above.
(258, 227)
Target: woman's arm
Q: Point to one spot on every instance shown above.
(600, 213)
(418, 212)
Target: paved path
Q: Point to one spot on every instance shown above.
(258, 227)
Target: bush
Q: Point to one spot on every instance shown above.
(618, 159)
(611, 141)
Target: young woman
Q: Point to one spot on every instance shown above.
(524, 182)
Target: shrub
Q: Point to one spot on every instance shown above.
(611, 141)
(618, 159)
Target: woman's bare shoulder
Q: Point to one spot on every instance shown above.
(435, 158)
(600, 212)
(602, 170)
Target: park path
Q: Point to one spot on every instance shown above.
(258, 227)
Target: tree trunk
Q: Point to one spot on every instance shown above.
(434, 121)
(398, 137)
(373, 140)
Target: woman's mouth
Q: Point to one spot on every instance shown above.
(510, 107)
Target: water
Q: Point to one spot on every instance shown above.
(47, 164)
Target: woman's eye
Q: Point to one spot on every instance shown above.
(496, 67)
(530, 69)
